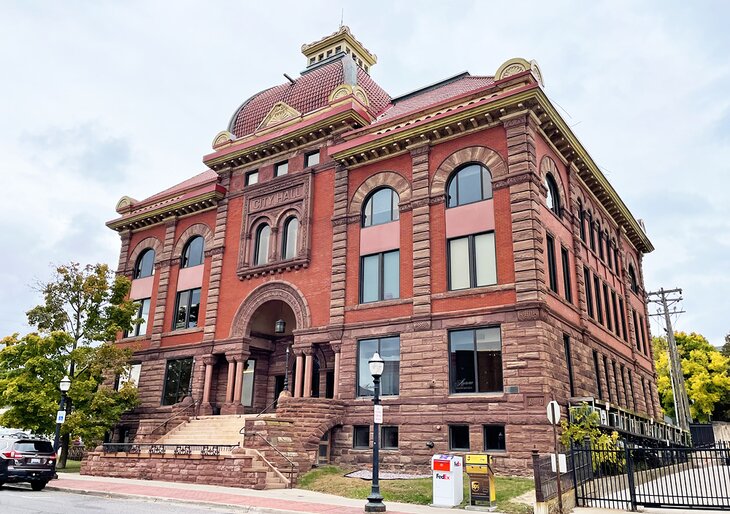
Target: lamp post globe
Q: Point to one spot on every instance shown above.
(377, 365)
(279, 326)
(375, 500)
(65, 384)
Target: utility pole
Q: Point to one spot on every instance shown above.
(664, 298)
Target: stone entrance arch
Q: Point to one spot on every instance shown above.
(271, 291)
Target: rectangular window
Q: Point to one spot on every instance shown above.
(569, 363)
(380, 277)
(187, 305)
(130, 374)
(552, 267)
(389, 438)
(597, 371)
(608, 307)
(626, 389)
(599, 308)
(608, 380)
(642, 331)
(252, 177)
(389, 350)
(615, 313)
(601, 241)
(178, 375)
(565, 257)
(475, 360)
(631, 389)
(615, 382)
(281, 168)
(459, 437)
(472, 261)
(311, 159)
(494, 439)
(623, 319)
(361, 436)
(143, 313)
(636, 329)
(589, 292)
(592, 233)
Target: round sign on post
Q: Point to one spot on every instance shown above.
(553, 412)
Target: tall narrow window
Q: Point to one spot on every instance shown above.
(281, 168)
(472, 261)
(636, 329)
(389, 350)
(589, 293)
(591, 232)
(178, 375)
(632, 279)
(626, 389)
(472, 183)
(564, 255)
(143, 313)
(615, 314)
(608, 307)
(569, 363)
(291, 230)
(475, 362)
(616, 261)
(553, 196)
(631, 389)
(582, 220)
(380, 277)
(601, 242)
(599, 308)
(642, 332)
(193, 252)
(597, 371)
(380, 207)
(552, 268)
(608, 381)
(261, 250)
(187, 306)
(623, 319)
(145, 265)
(609, 254)
(615, 382)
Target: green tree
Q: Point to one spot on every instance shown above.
(706, 375)
(585, 424)
(84, 307)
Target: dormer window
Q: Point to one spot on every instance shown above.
(281, 168)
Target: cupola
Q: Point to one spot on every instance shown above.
(340, 42)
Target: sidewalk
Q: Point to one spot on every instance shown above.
(275, 501)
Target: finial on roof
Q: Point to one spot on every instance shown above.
(518, 65)
(338, 42)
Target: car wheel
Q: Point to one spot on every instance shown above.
(38, 485)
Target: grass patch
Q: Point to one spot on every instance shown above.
(330, 479)
(72, 466)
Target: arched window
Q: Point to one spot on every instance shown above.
(472, 183)
(145, 264)
(582, 218)
(380, 207)
(291, 230)
(193, 252)
(553, 195)
(591, 231)
(261, 251)
(632, 279)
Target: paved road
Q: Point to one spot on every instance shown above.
(19, 499)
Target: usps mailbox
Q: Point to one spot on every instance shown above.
(448, 480)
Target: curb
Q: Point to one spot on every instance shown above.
(240, 508)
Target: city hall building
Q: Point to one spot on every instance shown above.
(461, 230)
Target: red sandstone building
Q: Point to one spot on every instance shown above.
(461, 230)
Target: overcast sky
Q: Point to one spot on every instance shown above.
(104, 99)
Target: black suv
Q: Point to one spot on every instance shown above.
(26, 459)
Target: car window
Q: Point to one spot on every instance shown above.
(33, 446)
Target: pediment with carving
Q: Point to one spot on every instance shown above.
(279, 113)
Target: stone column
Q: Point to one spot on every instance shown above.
(238, 387)
(162, 266)
(126, 236)
(299, 375)
(339, 250)
(231, 378)
(421, 211)
(336, 347)
(216, 263)
(206, 408)
(308, 362)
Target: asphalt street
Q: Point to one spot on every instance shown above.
(17, 499)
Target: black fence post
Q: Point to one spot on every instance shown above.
(539, 496)
(630, 475)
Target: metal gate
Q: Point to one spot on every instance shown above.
(627, 477)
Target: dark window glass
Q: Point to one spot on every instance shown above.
(475, 362)
(311, 159)
(642, 332)
(597, 371)
(291, 230)
(472, 183)
(187, 306)
(626, 389)
(608, 307)
(601, 243)
(553, 195)
(380, 277)
(592, 232)
(494, 439)
(361, 436)
(615, 380)
(609, 254)
(193, 252)
(281, 168)
(389, 350)
(606, 376)
(632, 279)
(472, 261)
(582, 219)
(566, 274)
(631, 389)
(145, 265)
(615, 314)
(33, 447)
(636, 330)
(616, 261)
(178, 374)
(458, 437)
(552, 267)
(589, 293)
(261, 249)
(623, 319)
(380, 207)
(389, 438)
(597, 290)
(252, 177)
(569, 363)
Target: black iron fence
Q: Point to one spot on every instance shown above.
(546, 481)
(209, 450)
(76, 452)
(626, 476)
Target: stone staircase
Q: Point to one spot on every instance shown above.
(208, 430)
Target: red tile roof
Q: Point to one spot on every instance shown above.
(192, 182)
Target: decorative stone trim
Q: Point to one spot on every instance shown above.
(199, 229)
(390, 179)
(282, 291)
(480, 154)
(148, 242)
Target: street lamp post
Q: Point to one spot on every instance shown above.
(375, 500)
(64, 386)
(280, 328)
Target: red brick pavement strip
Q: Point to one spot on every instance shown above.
(192, 495)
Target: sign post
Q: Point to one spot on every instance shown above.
(553, 415)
